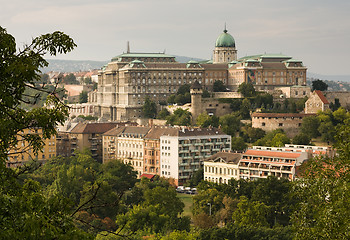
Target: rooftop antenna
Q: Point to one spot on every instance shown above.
(128, 47)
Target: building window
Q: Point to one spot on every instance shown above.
(280, 124)
(263, 124)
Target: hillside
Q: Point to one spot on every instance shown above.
(86, 65)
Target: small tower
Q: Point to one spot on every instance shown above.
(225, 48)
(196, 100)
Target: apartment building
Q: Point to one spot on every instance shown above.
(152, 148)
(127, 144)
(182, 152)
(86, 135)
(23, 152)
(256, 164)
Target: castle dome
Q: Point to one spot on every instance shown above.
(225, 40)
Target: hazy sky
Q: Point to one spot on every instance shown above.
(317, 32)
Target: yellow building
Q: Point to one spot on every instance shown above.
(24, 151)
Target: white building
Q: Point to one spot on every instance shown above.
(182, 153)
(221, 167)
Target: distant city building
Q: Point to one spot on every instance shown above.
(125, 82)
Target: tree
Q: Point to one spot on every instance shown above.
(70, 79)
(83, 97)
(245, 109)
(250, 213)
(204, 120)
(230, 124)
(205, 94)
(179, 117)
(219, 86)
(25, 210)
(310, 126)
(238, 144)
(247, 89)
(301, 139)
(323, 194)
(149, 108)
(162, 114)
(319, 85)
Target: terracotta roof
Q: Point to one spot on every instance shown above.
(271, 154)
(227, 156)
(321, 96)
(149, 176)
(93, 127)
(288, 115)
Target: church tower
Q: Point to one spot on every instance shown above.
(225, 48)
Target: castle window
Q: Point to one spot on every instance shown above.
(263, 124)
(280, 124)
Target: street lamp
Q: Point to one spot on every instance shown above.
(209, 204)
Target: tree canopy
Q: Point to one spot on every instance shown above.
(319, 85)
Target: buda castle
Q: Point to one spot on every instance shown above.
(127, 79)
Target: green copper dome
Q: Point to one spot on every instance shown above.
(225, 40)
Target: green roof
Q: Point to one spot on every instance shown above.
(225, 40)
(142, 55)
(259, 56)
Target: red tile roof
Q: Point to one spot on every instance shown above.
(321, 96)
(149, 176)
(271, 154)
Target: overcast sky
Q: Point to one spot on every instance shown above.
(317, 32)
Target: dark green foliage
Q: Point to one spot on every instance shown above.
(158, 211)
(219, 86)
(162, 114)
(334, 106)
(26, 212)
(149, 108)
(182, 96)
(247, 232)
(245, 109)
(263, 100)
(275, 138)
(319, 85)
(238, 144)
(205, 94)
(83, 97)
(180, 117)
(230, 124)
(301, 139)
(70, 79)
(197, 177)
(310, 126)
(247, 90)
(251, 134)
(204, 120)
